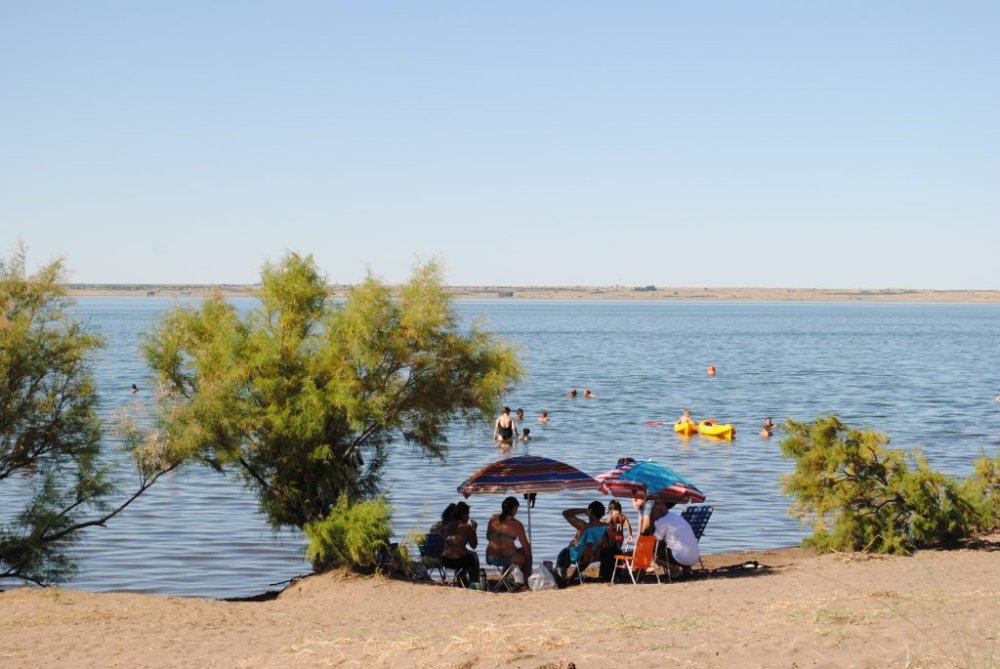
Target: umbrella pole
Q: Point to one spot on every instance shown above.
(529, 522)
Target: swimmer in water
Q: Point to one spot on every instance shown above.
(589, 395)
(135, 388)
(768, 429)
(544, 418)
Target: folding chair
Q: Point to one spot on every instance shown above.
(431, 547)
(639, 560)
(592, 536)
(697, 517)
(506, 580)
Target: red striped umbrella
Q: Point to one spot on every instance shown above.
(527, 474)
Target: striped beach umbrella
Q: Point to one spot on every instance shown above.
(527, 474)
(649, 480)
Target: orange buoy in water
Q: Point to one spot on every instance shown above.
(711, 370)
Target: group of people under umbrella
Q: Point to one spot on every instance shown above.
(649, 484)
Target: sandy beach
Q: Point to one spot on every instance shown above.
(934, 609)
(592, 293)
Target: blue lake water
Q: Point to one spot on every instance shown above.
(924, 374)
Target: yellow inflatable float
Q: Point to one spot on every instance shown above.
(710, 428)
(685, 429)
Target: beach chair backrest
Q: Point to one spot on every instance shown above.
(645, 550)
(697, 517)
(432, 546)
(591, 536)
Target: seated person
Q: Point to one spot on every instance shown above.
(618, 521)
(459, 536)
(678, 548)
(445, 519)
(501, 533)
(591, 543)
(768, 429)
(685, 417)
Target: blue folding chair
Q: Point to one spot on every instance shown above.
(431, 547)
(697, 517)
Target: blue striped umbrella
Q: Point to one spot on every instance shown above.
(652, 481)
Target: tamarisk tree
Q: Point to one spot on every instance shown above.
(54, 481)
(859, 494)
(305, 394)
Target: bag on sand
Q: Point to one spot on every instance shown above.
(542, 579)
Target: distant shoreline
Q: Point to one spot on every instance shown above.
(594, 293)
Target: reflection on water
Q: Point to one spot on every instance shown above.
(924, 374)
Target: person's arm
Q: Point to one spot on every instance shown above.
(470, 535)
(523, 538)
(496, 428)
(644, 523)
(628, 524)
(513, 424)
(572, 517)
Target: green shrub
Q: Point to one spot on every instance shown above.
(983, 489)
(351, 535)
(861, 495)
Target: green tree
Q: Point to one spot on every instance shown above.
(983, 489)
(305, 394)
(50, 435)
(861, 495)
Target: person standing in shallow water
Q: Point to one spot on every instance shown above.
(504, 429)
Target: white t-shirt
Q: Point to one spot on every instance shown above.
(675, 532)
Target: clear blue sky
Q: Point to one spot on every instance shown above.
(782, 144)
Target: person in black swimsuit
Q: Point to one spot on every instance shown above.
(504, 429)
